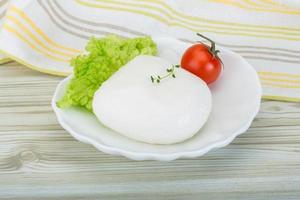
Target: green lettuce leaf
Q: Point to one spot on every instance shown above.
(103, 58)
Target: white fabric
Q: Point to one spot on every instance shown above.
(46, 34)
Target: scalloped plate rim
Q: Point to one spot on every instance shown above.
(151, 156)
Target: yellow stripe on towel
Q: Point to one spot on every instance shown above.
(203, 28)
(36, 39)
(229, 25)
(275, 85)
(240, 5)
(277, 74)
(39, 31)
(280, 98)
(279, 80)
(40, 69)
(269, 4)
(21, 37)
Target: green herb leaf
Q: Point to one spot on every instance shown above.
(170, 72)
(152, 79)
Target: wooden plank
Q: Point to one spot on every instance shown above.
(39, 160)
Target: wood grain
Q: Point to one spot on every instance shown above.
(39, 160)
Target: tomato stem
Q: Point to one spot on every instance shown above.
(213, 45)
(212, 49)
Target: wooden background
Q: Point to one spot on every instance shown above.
(39, 160)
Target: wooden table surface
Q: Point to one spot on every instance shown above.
(39, 160)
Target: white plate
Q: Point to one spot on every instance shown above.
(236, 100)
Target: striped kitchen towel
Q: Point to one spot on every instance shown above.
(3, 7)
(46, 34)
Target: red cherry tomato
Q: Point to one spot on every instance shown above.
(202, 61)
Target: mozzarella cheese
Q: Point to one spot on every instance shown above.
(158, 113)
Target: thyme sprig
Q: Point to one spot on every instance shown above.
(170, 72)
